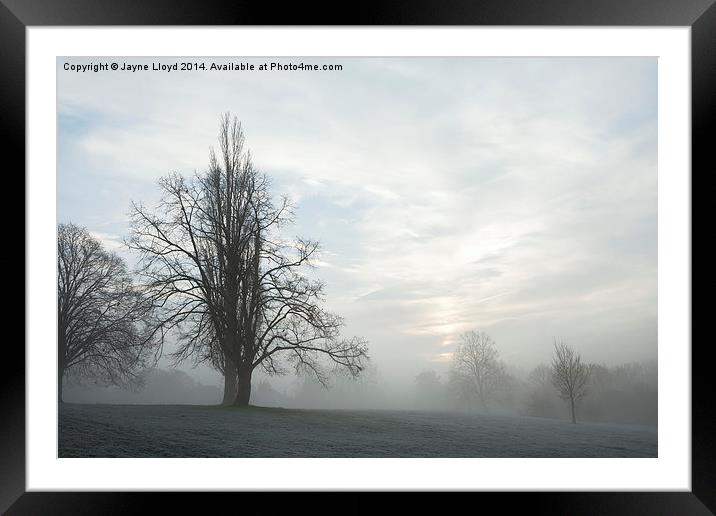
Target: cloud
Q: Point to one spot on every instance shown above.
(110, 242)
(451, 194)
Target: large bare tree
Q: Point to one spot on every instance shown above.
(476, 369)
(105, 324)
(569, 374)
(213, 257)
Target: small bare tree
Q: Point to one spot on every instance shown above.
(105, 326)
(569, 374)
(476, 369)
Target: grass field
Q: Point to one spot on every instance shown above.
(213, 431)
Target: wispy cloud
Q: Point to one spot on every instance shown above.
(512, 195)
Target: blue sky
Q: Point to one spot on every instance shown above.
(512, 195)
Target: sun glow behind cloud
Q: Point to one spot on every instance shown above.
(516, 196)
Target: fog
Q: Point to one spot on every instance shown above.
(622, 394)
(511, 196)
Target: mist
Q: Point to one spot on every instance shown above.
(626, 393)
(406, 236)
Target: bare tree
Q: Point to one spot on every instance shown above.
(213, 257)
(105, 325)
(569, 374)
(476, 369)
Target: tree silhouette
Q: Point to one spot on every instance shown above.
(569, 374)
(105, 325)
(476, 369)
(213, 257)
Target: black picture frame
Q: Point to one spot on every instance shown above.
(16, 15)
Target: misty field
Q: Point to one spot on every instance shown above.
(213, 431)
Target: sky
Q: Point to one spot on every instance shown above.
(514, 196)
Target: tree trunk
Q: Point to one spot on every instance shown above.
(60, 377)
(243, 395)
(61, 357)
(229, 382)
(574, 417)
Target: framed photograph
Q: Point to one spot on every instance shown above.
(435, 250)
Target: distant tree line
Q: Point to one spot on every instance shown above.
(158, 386)
(568, 387)
(214, 272)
